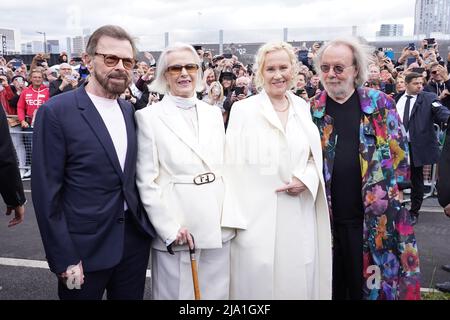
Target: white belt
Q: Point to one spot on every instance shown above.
(203, 178)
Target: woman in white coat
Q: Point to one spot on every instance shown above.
(179, 177)
(274, 157)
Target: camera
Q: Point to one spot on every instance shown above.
(410, 60)
(302, 55)
(431, 41)
(412, 46)
(389, 88)
(418, 70)
(227, 55)
(238, 90)
(17, 64)
(299, 92)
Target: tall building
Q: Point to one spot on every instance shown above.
(10, 40)
(25, 49)
(390, 30)
(86, 35)
(69, 47)
(78, 45)
(37, 46)
(32, 47)
(53, 46)
(432, 16)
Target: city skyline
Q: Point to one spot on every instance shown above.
(192, 19)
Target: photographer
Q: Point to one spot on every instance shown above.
(314, 87)
(18, 83)
(39, 60)
(239, 92)
(7, 96)
(439, 83)
(68, 80)
(408, 55)
(127, 95)
(300, 87)
(147, 96)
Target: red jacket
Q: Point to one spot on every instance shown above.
(30, 100)
(6, 95)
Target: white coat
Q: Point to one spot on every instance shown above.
(256, 154)
(169, 157)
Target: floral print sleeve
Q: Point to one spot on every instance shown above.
(398, 143)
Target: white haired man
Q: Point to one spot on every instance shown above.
(365, 157)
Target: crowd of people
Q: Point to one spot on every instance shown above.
(285, 175)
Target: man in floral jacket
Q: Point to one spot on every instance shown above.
(365, 158)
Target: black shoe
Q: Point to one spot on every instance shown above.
(444, 287)
(414, 218)
(446, 267)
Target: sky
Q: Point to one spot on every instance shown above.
(199, 20)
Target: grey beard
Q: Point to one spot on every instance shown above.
(113, 89)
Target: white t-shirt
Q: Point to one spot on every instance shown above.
(112, 116)
(114, 121)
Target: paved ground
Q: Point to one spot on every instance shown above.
(24, 242)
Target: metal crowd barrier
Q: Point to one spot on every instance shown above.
(430, 171)
(22, 141)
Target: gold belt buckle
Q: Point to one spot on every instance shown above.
(204, 178)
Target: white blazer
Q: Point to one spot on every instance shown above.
(169, 158)
(256, 165)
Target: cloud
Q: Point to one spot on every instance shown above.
(195, 20)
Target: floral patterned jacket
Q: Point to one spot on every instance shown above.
(391, 261)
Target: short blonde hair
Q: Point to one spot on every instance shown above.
(261, 59)
(160, 84)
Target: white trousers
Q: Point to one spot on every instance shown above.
(172, 274)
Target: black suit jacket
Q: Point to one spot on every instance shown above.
(54, 87)
(422, 135)
(11, 188)
(78, 185)
(443, 185)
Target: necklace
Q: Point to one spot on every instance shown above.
(282, 110)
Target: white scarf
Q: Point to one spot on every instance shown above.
(184, 103)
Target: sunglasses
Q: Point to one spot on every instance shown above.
(177, 69)
(111, 60)
(338, 69)
(434, 72)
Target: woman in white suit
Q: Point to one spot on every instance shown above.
(273, 149)
(179, 176)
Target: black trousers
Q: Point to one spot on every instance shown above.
(126, 281)
(417, 185)
(348, 261)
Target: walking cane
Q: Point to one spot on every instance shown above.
(194, 270)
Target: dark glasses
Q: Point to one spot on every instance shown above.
(177, 69)
(111, 60)
(338, 69)
(434, 72)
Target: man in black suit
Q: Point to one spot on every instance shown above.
(95, 232)
(11, 188)
(443, 188)
(419, 111)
